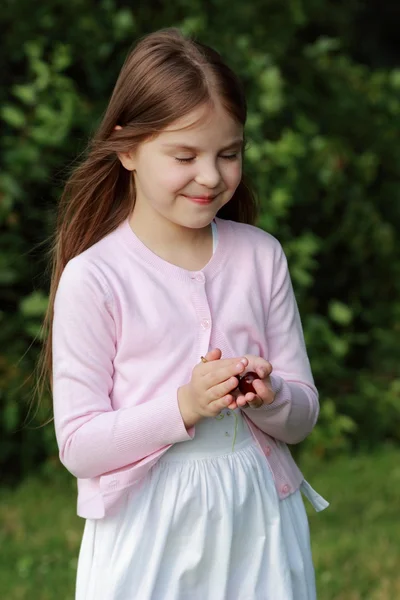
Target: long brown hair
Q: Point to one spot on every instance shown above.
(164, 78)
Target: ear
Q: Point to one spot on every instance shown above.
(126, 158)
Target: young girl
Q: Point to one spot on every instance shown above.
(164, 293)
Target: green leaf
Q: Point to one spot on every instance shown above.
(26, 93)
(124, 23)
(34, 305)
(13, 116)
(340, 313)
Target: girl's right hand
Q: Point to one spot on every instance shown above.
(209, 390)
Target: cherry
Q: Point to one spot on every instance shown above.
(246, 383)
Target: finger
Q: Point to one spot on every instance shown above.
(214, 354)
(250, 397)
(241, 400)
(215, 407)
(264, 370)
(252, 400)
(225, 369)
(211, 366)
(256, 403)
(264, 391)
(222, 389)
(258, 362)
(232, 405)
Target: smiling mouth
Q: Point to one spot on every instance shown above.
(201, 199)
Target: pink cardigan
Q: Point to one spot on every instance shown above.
(128, 329)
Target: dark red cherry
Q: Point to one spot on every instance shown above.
(246, 383)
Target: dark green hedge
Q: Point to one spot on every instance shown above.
(324, 155)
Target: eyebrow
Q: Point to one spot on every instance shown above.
(236, 142)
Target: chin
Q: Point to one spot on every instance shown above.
(197, 222)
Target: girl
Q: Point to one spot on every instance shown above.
(164, 293)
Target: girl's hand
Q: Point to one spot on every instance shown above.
(262, 386)
(211, 386)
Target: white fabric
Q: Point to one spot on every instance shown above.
(205, 524)
(214, 235)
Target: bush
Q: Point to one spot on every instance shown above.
(323, 154)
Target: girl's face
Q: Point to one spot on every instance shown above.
(190, 170)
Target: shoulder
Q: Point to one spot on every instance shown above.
(82, 288)
(253, 238)
(81, 270)
(86, 273)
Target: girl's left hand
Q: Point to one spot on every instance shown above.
(262, 386)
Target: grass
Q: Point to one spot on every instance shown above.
(356, 541)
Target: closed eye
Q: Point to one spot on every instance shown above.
(184, 160)
(191, 158)
(230, 156)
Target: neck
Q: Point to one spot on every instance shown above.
(182, 246)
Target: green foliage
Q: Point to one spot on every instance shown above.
(330, 435)
(322, 152)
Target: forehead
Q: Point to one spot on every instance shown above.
(203, 124)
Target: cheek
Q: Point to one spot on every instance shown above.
(233, 175)
(174, 177)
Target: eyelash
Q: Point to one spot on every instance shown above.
(187, 160)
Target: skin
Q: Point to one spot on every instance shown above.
(197, 156)
(211, 387)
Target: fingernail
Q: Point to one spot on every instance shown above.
(244, 361)
(239, 365)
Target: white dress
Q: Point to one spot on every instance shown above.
(206, 523)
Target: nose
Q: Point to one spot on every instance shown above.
(208, 174)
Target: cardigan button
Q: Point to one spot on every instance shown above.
(200, 277)
(285, 488)
(267, 450)
(205, 324)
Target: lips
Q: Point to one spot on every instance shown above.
(200, 199)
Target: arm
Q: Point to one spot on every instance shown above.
(293, 413)
(93, 438)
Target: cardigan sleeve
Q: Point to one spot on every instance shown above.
(294, 412)
(93, 438)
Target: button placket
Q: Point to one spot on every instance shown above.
(202, 309)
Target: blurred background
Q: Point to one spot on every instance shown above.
(323, 86)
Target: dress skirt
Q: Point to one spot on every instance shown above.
(205, 524)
